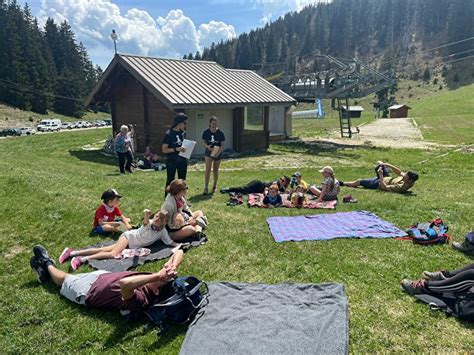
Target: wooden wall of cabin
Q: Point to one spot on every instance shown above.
(127, 108)
(133, 104)
(159, 120)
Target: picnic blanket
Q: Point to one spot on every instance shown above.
(245, 318)
(158, 251)
(256, 200)
(358, 224)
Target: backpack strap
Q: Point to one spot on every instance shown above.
(435, 303)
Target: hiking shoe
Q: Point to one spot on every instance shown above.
(414, 287)
(76, 263)
(65, 255)
(465, 247)
(200, 221)
(42, 272)
(200, 237)
(42, 255)
(433, 276)
(204, 218)
(349, 199)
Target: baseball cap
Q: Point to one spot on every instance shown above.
(179, 118)
(109, 194)
(327, 169)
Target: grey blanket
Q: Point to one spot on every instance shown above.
(244, 318)
(159, 250)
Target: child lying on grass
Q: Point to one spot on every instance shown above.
(144, 236)
(273, 198)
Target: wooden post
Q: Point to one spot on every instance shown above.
(238, 128)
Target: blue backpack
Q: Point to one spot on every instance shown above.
(189, 296)
(434, 232)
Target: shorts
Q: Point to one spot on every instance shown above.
(207, 153)
(99, 230)
(76, 287)
(372, 183)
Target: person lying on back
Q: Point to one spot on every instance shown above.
(402, 182)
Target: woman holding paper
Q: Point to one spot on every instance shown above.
(172, 146)
(214, 140)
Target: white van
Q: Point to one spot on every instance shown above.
(49, 125)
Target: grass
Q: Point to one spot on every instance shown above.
(51, 188)
(13, 117)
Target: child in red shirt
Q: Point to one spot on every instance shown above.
(108, 217)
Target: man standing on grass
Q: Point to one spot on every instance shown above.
(127, 290)
(400, 183)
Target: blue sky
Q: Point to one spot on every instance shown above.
(160, 28)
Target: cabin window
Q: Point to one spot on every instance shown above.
(254, 118)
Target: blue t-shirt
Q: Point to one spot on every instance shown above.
(272, 200)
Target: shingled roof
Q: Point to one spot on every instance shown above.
(191, 83)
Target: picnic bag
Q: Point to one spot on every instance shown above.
(460, 305)
(188, 296)
(434, 232)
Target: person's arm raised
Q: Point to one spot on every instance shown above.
(166, 274)
(382, 185)
(395, 169)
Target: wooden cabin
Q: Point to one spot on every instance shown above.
(399, 111)
(148, 92)
(355, 111)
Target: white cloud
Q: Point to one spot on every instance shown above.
(272, 9)
(138, 32)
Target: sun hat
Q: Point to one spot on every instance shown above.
(327, 169)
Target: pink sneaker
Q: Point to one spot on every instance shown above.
(66, 254)
(76, 263)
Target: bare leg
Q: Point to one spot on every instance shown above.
(121, 244)
(94, 250)
(185, 232)
(316, 192)
(197, 214)
(217, 163)
(57, 275)
(109, 229)
(178, 219)
(355, 183)
(207, 174)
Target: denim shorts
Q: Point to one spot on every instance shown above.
(76, 287)
(372, 183)
(99, 230)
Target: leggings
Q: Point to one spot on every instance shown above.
(253, 187)
(456, 281)
(122, 157)
(179, 165)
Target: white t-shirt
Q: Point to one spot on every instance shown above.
(146, 235)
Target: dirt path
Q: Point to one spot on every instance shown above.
(390, 132)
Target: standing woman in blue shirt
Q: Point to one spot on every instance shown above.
(214, 140)
(172, 146)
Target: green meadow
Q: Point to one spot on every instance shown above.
(50, 187)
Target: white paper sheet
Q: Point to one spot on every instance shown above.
(189, 146)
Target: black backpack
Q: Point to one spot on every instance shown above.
(188, 295)
(460, 305)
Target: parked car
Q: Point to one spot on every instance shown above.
(108, 122)
(65, 125)
(86, 124)
(27, 131)
(73, 125)
(49, 125)
(9, 132)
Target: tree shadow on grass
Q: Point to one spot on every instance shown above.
(325, 148)
(93, 156)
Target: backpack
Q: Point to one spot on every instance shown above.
(434, 232)
(189, 295)
(460, 305)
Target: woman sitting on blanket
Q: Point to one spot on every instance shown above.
(183, 222)
(298, 197)
(330, 188)
(273, 198)
(144, 236)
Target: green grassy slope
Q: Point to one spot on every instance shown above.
(50, 188)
